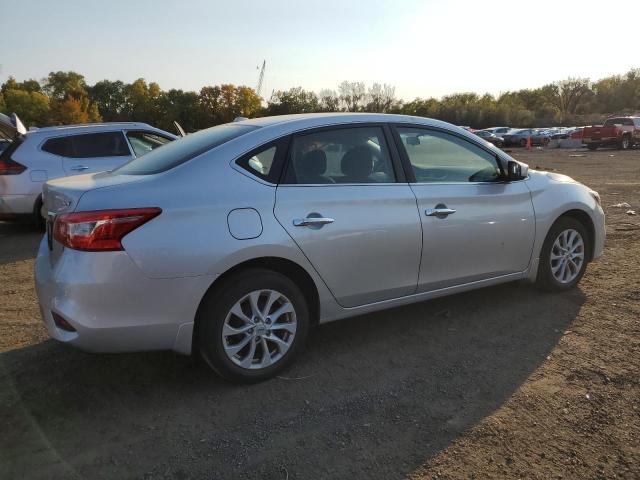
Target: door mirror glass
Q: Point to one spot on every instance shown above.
(516, 171)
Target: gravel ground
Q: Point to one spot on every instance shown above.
(503, 382)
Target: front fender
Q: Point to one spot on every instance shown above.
(553, 195)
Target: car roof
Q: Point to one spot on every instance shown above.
(310, 120)
(90, 128)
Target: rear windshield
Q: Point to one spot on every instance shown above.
(175, 153)
(618, 121)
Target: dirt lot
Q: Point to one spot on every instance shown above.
(504, 382)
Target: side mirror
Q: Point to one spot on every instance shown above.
(516, 170)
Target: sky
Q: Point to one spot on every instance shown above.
(423, 48)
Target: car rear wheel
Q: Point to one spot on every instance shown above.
(38, 220)
(564, 255)
(592, 146)
(253, 326)
(625, 143)
(523, 142)
(545, 141)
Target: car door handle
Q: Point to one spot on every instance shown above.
(79, 168)
(439, 212)
(310, 221)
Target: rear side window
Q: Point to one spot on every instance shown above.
(184, 149)
(341, 155)
(89, 145)
(143, 142)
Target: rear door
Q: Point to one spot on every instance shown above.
(90, 152)
(475, 226)
(346, 204)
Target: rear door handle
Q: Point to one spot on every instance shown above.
(311, 221)
(79, 168)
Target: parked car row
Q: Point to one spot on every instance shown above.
(507, 136)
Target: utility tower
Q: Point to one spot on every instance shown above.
(261, 77)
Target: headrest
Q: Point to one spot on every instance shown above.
(357, 162)
(312, 163)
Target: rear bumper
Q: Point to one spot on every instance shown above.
(112, 305)
(600, 141)
(12, 206)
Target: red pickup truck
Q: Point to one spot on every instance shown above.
(621, 132)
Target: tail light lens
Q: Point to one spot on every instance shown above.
(11, 167)
(100, 230)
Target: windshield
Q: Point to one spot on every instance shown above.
(179, 151)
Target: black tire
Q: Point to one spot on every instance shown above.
(625, 143)
(545, 141)
(38, 221)
(523, 142)
(591, 146)
(499, 144)
(545, 279)
(217, 304)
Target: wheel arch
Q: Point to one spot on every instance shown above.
(585, 219)
(284, 266)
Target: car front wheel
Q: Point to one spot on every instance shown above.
(253, 326)
(564, 255)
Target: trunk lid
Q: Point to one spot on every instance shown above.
(600, 131)
(63, 194)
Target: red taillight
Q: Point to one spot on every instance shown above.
(11, 167)
(100, 230)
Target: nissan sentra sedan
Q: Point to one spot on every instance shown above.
(234, 241)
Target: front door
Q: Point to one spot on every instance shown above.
(475, 225)
(343, 206)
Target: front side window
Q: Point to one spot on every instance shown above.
(438, 157)
(88, 145)
(342, 155)
(143, 142)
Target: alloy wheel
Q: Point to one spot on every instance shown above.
(567, 256)
(259, 329)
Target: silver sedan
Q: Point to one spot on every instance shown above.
(232, 242)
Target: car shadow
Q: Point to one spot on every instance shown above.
(18, 241)
(371, 397)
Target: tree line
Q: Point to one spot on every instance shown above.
(66, 98)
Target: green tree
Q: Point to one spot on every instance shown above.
(61, 85)
(109, 97)
(31, 107)
(294, 100)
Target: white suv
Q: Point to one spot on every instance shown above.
(31, 158)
